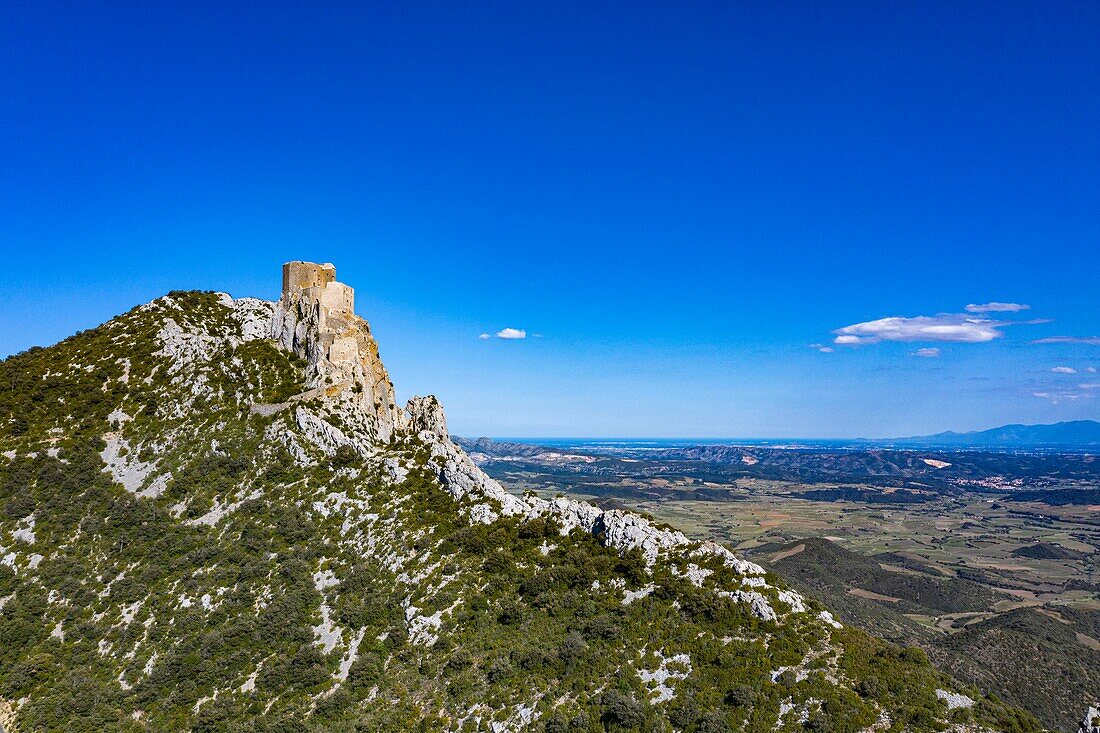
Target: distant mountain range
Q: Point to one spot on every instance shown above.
(1076, 433)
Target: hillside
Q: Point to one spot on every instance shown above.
(824, 564)
(1057, 648)
(864, 594)
(215, 517)
(1061, 648)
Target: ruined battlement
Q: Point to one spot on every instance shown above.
(316, 284)
(298, 276)
(315, 319)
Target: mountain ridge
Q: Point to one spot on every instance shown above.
(1071, 433)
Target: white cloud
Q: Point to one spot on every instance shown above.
(1063, 370)
(511, 333)
(822, 348)
(927, 353)
(1091, 370)
(947, 327)
(1094, 340)
(995, 307)
(484, 336)
(1089, 385)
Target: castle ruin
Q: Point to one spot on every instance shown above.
(316, 320)
(316, 284)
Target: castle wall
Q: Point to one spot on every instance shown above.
(337, 297)
(316, 284)
(298, 276)
(344, 350)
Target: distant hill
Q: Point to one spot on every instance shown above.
(1076, 433)
(1047, 551)
(921, 467)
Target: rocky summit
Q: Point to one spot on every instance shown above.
(216, 517)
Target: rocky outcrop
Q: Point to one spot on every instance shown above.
(1091, 722)
(462, 478)
(424, 415)
(7, 717)
(627, 531)
(954, 700)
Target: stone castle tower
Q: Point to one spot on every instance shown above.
(316, 283)
(315, 318)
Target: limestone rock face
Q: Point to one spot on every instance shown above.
(315, 318)
(425, 415)
(627, 531)
(954, 700)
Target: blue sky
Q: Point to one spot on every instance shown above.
(680, 199)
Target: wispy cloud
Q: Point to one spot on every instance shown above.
(1090, 370)
(947, 327)
(1056, 396)
(822, 348)
(996, 307)
(505, 333)
(1089, 385)
(928, 353)
(1094, 340)
(1063, 370)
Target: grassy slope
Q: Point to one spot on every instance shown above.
(1030, 658)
